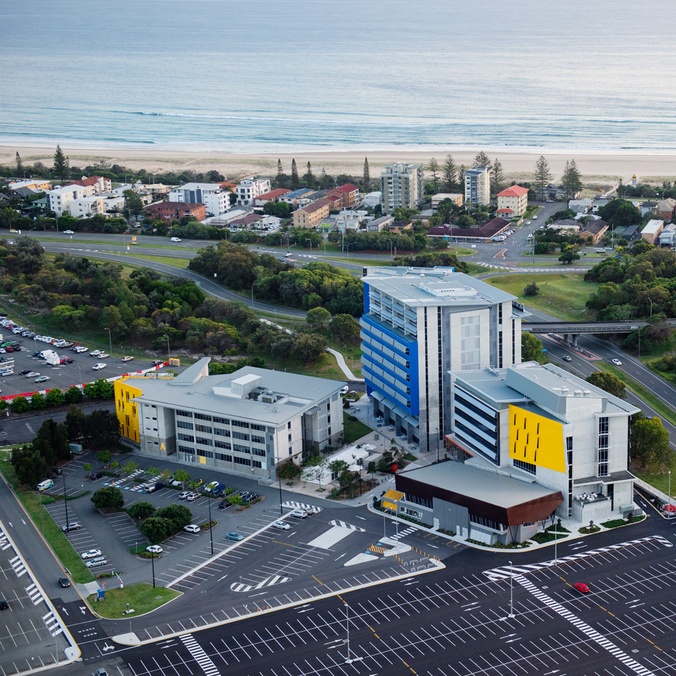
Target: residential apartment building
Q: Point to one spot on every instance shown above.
(347, 194)
(31, 184)
(652, 230)
(175, 211)
(99, 184)
(418, 325)
(249, 421)
(313, 214)
(512, 202)
(248, 189)
(372, 199)
(215, 199)
(457, 198)
(61, 197)
(271, 196)
(401, 185)
(477, 187)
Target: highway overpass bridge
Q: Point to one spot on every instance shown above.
(571, 330)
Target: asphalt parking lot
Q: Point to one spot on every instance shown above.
(62, 376)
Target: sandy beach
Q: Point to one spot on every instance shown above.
(596, 166)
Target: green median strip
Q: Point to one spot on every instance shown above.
(34, 505)
(641, 392)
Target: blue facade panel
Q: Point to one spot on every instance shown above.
(391, 385)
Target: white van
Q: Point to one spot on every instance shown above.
(44, 485)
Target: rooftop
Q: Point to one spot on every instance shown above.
(513, 191)
(434, 286)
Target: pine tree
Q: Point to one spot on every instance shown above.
(482, 160)
(450, 173)
(280, 170)
(542, 176)
(61, 168)
(434, 171)
(309, 178)
(461, 178)
(497, 177)
(367, 175)
(295, 182)
(571, 181)
(19, 166)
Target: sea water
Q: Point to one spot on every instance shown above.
(269, 74)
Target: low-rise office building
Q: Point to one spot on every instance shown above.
(531, 442)
(249, 421)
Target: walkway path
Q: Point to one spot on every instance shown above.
(343, 365)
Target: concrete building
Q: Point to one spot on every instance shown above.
(31, 184)
(61, 197)
(350, 219)
(312, 215)
(99, 184)
(249, 421)
(297, 198)
(401, 185)
(248, 189)
(418, 325)
(215, 199)
(668, 236)
(533, 441)
(652, 231)
(272, 196)
(512, 202)
(372, 199)
(665, 209)
(477, 186)
(347, 194)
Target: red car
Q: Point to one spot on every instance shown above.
(581, 587)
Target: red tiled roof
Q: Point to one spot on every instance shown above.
(273, 194)
(513, 191)
(347, 187)
(316, 206)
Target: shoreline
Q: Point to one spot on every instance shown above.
(517, 163)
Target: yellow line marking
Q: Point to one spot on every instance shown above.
(320, 582)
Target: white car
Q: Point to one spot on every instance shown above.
(127, 358)
(183, 495)
(99, 366)
(95, 353)
(80, 348)
(535, 217)
(175, 239)
(192, 528)
(617, 362)
(154, 549)
(281, 525)
(299, 514)
(32, 374)
(91, 554)
(68, 232)
(191, 497)
(104, 355)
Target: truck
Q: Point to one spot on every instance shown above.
(50, 357)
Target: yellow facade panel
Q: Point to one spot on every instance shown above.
(536, 440)
(127, 410)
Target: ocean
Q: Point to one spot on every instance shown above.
(266, 75)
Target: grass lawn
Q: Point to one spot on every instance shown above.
(353, 428)
(561, 295)
(33, 502)
(166, 260)
(657, 404)
(142, 598)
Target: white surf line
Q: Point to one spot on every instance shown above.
(583, 627)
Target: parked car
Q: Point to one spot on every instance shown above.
(127, 358)
(66, 360)
(582, 587)
(281, 525)
(3, 604)
(73, 525)
(299, 514)
(224, 504)
(79, 349)
(42, 379)
(192, 528)
(25, 372)
(104, 355)
(91, 554)
(234, 535)
(154, 549)
(32, 374)
(95, 353)
(191, 497)
(99, 366)
(96, 563)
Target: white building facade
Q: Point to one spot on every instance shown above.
(248, 189)
(477, 186)
(401, 185)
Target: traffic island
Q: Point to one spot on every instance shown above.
(130, 602)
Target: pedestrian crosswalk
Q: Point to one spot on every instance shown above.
(505, 572)
(403, 533)
(268, 582)
(582, 626)
(18, 566)
(345, 524)
(203, 660)
(34, 594)
(4, 542)
(291, 504)
(52, 624)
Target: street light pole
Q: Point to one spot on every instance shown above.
(152, 561)
(211, 530)
(253, 306)
(110, 340)
(281, 511)
(668, 491)
(511, 591)
(168, 348)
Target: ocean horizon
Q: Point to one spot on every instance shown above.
(266, 76)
